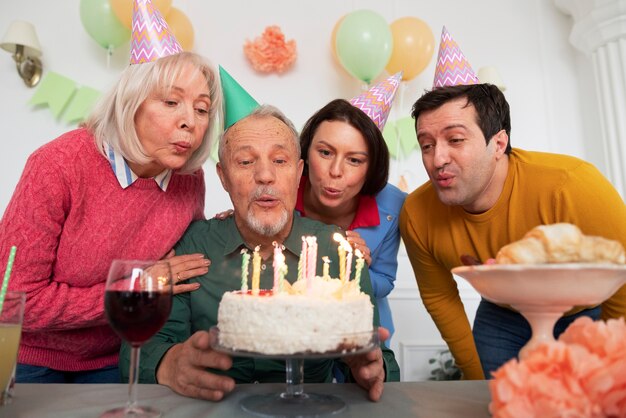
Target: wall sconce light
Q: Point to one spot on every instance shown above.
(490, 74)
(21, 40)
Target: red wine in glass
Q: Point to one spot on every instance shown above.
(137, 302)
(137, 315)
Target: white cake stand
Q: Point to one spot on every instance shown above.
(542, 293)
(294, 402)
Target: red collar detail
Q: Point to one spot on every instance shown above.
(366, 213)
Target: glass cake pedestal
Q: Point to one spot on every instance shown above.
(294, 401)
(542, 293)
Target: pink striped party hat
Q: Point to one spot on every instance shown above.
(377, 101)
(151, 38)
(452, 69)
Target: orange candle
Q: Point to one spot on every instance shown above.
(256, 270)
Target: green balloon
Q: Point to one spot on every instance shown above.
(364, 44)
(101, 23)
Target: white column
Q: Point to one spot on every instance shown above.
(599, 30)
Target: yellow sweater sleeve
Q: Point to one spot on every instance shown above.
(591, 202)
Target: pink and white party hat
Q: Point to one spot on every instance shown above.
(377, 101)
(151, 38)
(452, 68)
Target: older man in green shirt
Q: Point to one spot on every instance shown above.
(260, 168)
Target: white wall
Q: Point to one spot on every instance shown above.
(549, 90)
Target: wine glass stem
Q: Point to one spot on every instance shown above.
(295, 376)
(134, 377)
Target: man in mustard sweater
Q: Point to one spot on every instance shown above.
(482, 195)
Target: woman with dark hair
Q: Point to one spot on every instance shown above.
(345, 183)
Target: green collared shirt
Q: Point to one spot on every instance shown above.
(221, 242)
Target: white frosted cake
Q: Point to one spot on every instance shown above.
(330, 315)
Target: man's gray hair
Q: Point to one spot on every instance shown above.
(265, 110)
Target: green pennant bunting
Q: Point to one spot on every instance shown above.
(80, 106)
(391, 138)
(406, 134)
(55, 91)
(214, 151)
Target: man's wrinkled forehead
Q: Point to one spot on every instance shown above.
(261, 130)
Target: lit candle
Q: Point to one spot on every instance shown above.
(360, 261)
(342, 255)
(302, 260)
(282, 274)
(245, 260)
(325, 272)
(348, 259)
(256, 270)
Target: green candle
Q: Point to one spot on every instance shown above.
(245, 260)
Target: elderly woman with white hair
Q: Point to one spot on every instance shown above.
(125, 185)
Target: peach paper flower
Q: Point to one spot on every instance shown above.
(581, 375)
(269, 52)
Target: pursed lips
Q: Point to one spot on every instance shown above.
(182, 146)
(331, 191)
(266, 201)
(444, 179)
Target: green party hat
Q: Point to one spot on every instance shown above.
(237, 101)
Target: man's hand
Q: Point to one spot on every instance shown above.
(368, 369)
(183, 369)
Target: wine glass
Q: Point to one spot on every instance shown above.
(137, 302)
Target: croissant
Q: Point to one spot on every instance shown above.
(561, 243)
(600, 250)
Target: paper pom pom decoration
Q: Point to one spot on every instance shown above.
(583, 374)
(269, 52)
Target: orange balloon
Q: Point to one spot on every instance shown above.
(413, 47)
(333, 39)
(181, 27)
(123, 10)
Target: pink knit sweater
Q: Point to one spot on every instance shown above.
(69, 217)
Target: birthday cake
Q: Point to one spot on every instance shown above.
(329, 315)
(315, 314)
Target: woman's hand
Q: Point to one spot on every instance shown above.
(184, 267)
(223, 215)
(354, 238)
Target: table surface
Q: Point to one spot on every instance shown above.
(400, 399)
